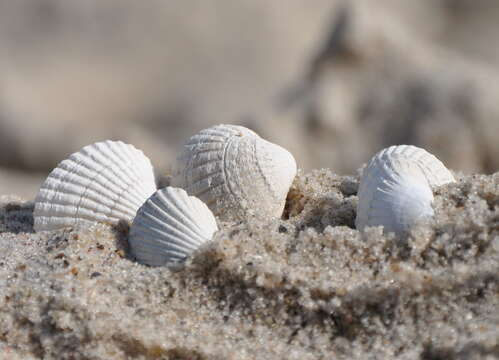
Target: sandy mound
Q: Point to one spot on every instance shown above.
(306, 287)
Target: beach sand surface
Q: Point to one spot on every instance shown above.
(308, 286)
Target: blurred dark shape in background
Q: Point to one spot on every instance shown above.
(332, 81)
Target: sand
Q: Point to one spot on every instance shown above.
(309, 286)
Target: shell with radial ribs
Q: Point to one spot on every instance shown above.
(396, 187)
(103, 182)
(235, 172)
(169, 227)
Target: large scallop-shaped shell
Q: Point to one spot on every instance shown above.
(104, 182)
(169, 227)
(396, 188)
(235, 172)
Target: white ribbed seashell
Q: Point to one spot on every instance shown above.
(103, 182)
(169, 227)
(396, 188)
(235, 172)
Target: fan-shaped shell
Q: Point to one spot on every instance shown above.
(169, 227)
(396, 188)
(235, 172)
(103, 182)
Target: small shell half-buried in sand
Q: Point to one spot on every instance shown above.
(169, 227)
(396, 188)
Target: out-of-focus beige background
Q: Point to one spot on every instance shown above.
(333, 81)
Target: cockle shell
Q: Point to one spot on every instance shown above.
(169, 227)
(396, 188)
(235, 172)
(103, 182)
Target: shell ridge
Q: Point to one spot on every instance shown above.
(201, 193)
(98, 194)
(153, 221)
(93, 171)
(178, 255)
(217, 133)
(92, 195)
(77, 212)
(227, 183)
(156, 249)
(180, 207)
(202, 211)
(171, 217)
(205, 162)
(199, 180)
(191, 212)
(208, 150)
(153, 248)
(84, 192)
(268, 183)
(126, 194)
(155, 239)
(127, 163)
(156, 234)
(82, 215)
(59, 180)
(73, 179)
(45, 210)
(195, 140)
(140, 164)
(123, 198)
(158, 259)
(47, 223)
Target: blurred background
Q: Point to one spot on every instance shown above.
(333, 81)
